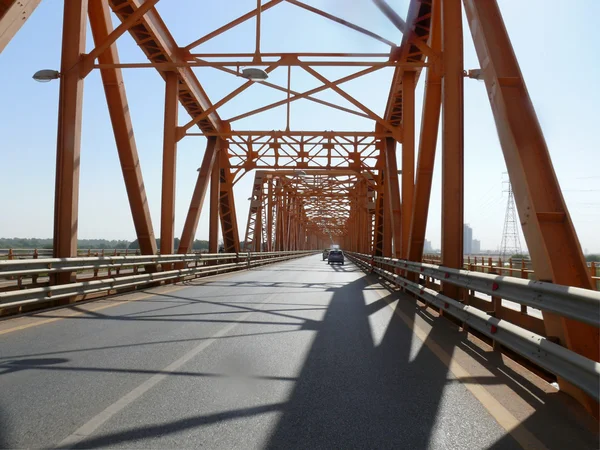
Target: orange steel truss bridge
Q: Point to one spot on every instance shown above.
(315, 188)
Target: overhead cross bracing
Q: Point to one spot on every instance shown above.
(319, 202)
(280, 149)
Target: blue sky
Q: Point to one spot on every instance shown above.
(556, 45)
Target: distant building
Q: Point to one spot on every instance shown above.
(476, 246)
(427, 247)
(467, 239)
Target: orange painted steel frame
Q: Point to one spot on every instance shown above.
(368, 209)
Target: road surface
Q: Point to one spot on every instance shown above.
(292, 355)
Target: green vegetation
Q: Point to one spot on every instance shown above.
(198, 244)
(520, 256)
(35, 243)
(47, 243)
(592, 258)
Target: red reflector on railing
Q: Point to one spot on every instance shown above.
(495, 286)
(493, 329)
(446, 305)
(446, 275)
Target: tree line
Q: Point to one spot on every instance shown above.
(33, 243)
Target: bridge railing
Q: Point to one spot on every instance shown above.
(35, 253)
(513, 267)
(28, 282)
(575, 303)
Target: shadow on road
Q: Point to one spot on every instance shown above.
(354, 390)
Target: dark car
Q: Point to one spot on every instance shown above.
(335, 256)
(325, 254)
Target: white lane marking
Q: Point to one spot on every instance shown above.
(88, 428)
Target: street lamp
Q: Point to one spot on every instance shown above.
(46, 75)
(254, 74)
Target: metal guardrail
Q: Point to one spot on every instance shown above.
(579, 370)
(35, 253)
(511, 266)
(32, 268)
(575, 303)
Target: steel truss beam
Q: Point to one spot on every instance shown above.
(296, 93)
(408, 154)
(155, 40)
(323, 151)
(118, 109)
(393, 191)
(254, 225)
(551, 239)
(69, 134)
(378, 238)
(213, 239)
(418, 22)
(169, 166)
(427, 144)
(214, 146)
(291, 61)
(13, 14)
(229, 227)
(307, 94)
(452, 140)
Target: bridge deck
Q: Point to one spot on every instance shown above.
(293, 355)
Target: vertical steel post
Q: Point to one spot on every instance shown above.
(387, 223)
(270, 205)
(169, 167)
(452, 140)
(378, 244)
(393, 193)
(66, 195)
(213, 230)
(408, 155)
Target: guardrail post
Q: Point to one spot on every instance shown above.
(466, 300)
(10, 253)
(35, 276)
(496, 304)
(524, 276)
(593, 275)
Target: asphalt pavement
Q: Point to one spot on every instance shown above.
(298, 354)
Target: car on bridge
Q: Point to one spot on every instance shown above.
(335, 256)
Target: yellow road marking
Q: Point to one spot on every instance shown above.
(503, 416)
